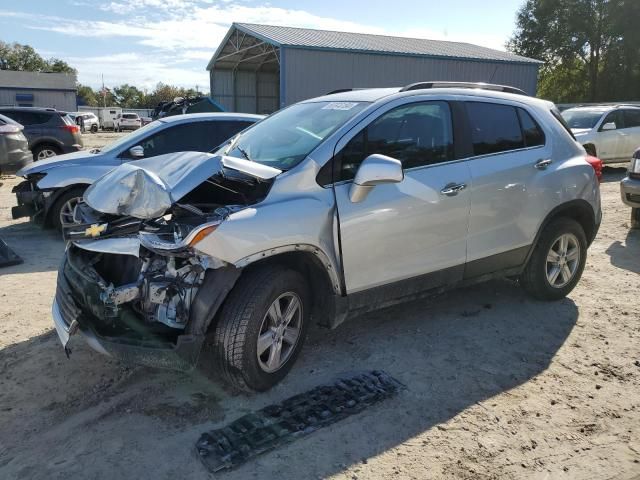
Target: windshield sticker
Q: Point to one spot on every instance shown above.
(339, 106)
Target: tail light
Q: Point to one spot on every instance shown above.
(71, 128)
(596, 163)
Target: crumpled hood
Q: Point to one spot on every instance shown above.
(82, 157)
(147, 188)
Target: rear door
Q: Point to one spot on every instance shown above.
(631, 117)
(611, 143)
(411, 236)
(509, 153)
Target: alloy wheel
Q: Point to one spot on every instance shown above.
(280, 332)
(563, 260)
(67, 212)
(46, 153)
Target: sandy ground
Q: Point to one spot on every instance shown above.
(499, 386)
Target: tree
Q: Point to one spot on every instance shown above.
(87, 96)
(581, 42)
(128, 96)
(24, 58)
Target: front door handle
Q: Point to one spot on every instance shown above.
(542, 164)
(452, 189)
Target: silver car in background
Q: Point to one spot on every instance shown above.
(14, 146)
(329, 208)
(611, 133)
(52, 187)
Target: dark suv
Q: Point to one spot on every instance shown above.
(49, 131)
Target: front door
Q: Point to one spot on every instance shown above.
(410, 236)
(611, 143)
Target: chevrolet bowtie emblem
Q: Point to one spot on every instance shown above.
(95, 230)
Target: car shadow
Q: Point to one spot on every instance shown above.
(40, 249)
(626, 255)
(452, 352)
(613, 173)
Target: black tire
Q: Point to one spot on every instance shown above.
(94, 128)
(234, 339)
(534, 278)
(42, 147)
(635, 218)
(54, 211)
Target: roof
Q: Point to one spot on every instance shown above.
(212, 116)
(37, 80)
(306, 38)
(375, 94)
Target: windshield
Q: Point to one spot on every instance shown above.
(582, 118)
(135, 137)
(285, 138)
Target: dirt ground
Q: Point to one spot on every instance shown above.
(498, 385)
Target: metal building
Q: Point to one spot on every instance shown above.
(261, 68)
(38, 89)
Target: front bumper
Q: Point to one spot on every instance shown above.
(74, 311)
(630, 191)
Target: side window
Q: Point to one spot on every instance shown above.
(220, 131)
(631, 118)
(173, 139)
(494, 128)
(531, 131)
(417, 134)
(615, 117)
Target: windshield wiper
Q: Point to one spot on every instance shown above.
(243, 152)
(95, 150)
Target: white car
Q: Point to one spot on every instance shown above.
(127, 121)
(609, 132)
(89, 122)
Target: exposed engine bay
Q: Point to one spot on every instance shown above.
(143, 271)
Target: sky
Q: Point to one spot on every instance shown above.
(143, 42)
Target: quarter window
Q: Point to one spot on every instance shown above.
(494, 128)
(417, 134)
(531, 131)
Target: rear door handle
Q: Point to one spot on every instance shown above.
(452, 189)
(542, 164)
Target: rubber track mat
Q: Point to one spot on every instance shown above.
(295, 417)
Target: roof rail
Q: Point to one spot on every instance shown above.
(480, 85)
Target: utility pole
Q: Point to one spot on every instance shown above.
(104, 93)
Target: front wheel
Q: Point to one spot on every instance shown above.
(557, 261)
(61, 213)
(261, 328)
(635, 218)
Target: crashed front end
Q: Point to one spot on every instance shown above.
(133, 281)
(32, 201)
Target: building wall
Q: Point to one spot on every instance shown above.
(245, 91)
(61, 100)
(310, 73)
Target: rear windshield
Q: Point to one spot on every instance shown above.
(130, 115)
(577, 119)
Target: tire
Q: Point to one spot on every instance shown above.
(44, 151)
(635, 218)
(241, 323)
(536, 276)
(56, 210)
(94, 128)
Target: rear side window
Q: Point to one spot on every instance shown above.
(531, 131)
(631, 118)
(495, 128)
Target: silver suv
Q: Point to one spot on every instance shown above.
(329, 208)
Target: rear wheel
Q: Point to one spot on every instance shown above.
(61, 212)
(557, 261)
(94, 128)
(42, 152)
(261, 328)
(635, 218)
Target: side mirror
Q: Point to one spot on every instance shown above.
(609, 126)
(375, 170)
(136, 152)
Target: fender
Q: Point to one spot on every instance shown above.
(579, 205)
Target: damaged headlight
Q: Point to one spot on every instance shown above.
(154, 242)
